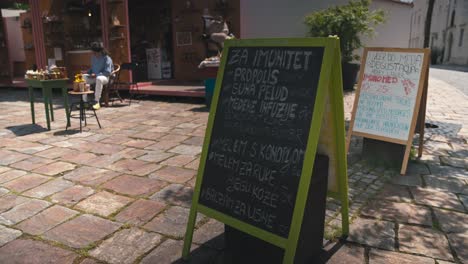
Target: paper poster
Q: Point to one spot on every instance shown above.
(58, 53)
(51, 62)
(153, 57)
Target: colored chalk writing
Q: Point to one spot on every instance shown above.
(389, 89)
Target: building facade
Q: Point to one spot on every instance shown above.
(257, 18)
(448, 37)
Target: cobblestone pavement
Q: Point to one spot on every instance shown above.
(121, 194)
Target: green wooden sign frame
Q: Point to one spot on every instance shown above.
(329, 85)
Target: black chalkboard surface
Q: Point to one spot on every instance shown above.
(260, 132)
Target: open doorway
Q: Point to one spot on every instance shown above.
(151, 39)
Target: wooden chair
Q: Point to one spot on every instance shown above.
(110, 89)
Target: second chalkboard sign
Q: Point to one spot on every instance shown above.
(262, 137)
(391, 96)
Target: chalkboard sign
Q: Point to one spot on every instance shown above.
(260, 133)
(262, 137)
(392, 83)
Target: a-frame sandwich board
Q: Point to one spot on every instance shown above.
(390, 102)
(304, 81)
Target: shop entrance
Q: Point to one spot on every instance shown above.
(151, 39)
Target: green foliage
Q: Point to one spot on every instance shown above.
(21, 6)
(13, 5)
(349, 22)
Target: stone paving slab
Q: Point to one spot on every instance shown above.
(425, 241)
(55, 168)
(11, 175)
(452, 222)
(8, 234)
(175, 194)
(31, 163)
(458, 241)
(464, 200)
(103, 203)
(172, 222)
(22, 211)
(11, 200)
(210, 234)
(49, 188)
(134, 185)
(46, 220)
(26, 182)
(72, 195)
(377, 256)
(380, 234)
(90, 176)
(126, 246)
(394, 193)
(135, 167)
(35, 252)
(82, 231)
(348, 254)
(3, 191)
(169, 253)
(173, 174)
(449, 184)
(401, 212)
(437, 198)
(140, 212)
(8, 157)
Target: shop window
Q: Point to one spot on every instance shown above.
(460, 40)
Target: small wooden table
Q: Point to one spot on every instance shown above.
(82, 108)
(47, 86)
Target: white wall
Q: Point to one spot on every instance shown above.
(395, 32)
(284, 18)
(15, 39)
(11, 12)
(278, 18)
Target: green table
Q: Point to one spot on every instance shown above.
(47, 86)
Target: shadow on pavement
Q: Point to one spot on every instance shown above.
(214, 252)
(200, 109)
(23, 130)
(67, 132)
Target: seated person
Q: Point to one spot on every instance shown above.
(101, 68)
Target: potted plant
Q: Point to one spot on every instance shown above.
(349, 22)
